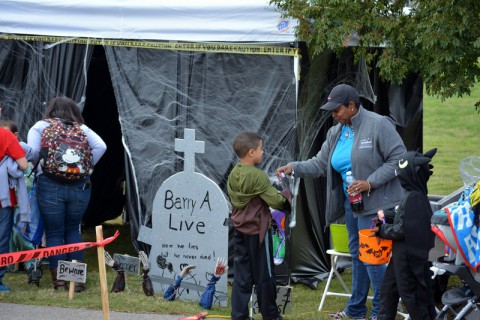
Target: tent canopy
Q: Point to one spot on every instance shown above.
(182, 20)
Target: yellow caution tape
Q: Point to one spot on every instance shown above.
(174, 46)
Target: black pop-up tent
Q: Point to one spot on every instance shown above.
(143, 71)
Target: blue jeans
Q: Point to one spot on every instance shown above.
(62, 206)
(6, 227)
(362, 273)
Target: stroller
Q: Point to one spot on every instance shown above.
(457, 225)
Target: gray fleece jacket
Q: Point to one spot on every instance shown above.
(377, 147)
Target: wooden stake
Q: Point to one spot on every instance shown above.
(103, 274)
(71, 291)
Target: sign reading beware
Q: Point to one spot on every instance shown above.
(72, 271)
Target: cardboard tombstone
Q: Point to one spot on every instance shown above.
(188, 228)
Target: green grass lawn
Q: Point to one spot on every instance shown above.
(304, 307)
(451, 126)
(305, 304)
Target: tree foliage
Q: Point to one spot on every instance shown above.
(437, 39)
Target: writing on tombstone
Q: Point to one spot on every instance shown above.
(72, 271)
(129, 264)
(188, 215)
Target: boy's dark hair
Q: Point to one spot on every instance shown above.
(64, 108)
(10, 124)
(245, 141)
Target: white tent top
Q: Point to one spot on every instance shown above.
(178, 20)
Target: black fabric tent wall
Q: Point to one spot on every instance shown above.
(108, 198)
(310, 239)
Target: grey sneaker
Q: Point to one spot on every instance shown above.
(343, 315)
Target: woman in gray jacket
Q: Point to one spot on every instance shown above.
(367, 144)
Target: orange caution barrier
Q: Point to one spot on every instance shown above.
(372, 249)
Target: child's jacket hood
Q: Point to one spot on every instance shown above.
(414, 170)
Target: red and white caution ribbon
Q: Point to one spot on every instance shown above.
(20, 256)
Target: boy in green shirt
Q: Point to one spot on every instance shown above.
(251, 195)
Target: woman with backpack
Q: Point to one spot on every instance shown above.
(65, 151)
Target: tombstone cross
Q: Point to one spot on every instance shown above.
(189, 146)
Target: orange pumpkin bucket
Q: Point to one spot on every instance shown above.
(372, 249)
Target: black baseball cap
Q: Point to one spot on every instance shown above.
(341, 94)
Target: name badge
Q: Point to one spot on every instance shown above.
(366, 144)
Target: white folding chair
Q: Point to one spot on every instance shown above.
(334, 255)
(339, 240)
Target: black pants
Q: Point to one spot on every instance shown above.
(253, 265)
(408, 278)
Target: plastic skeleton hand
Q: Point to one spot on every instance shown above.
(108, 259)
(221, 267)
(145, 261)
(119, 283)
(171, 292)
(112, 263)
(147, 282)
(207, 297)
(186, 270)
